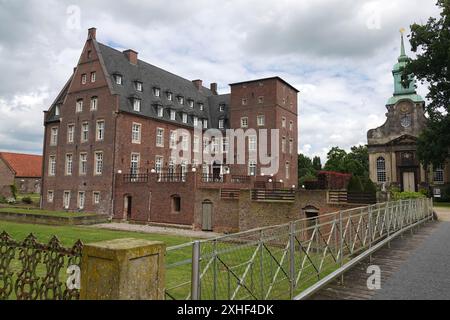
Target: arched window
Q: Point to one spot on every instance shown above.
(439, 174)
(381, 170)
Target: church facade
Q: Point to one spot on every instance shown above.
(393, 146)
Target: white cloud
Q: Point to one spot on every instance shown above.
(339, 53)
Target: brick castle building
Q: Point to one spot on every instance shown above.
(111, 133)
(21, 170)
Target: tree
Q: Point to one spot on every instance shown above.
(317, 163)
(306, 169)
(356, 162)
(335, 160)
(431, 42)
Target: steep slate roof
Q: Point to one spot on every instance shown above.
(24, 165)
(153, 77)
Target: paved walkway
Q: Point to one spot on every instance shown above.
(157, 230)
(443, 213)
(426, 273)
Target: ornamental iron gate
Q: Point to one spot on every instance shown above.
(30, 270)
(281, 262)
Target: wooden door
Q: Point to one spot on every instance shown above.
(207, 211)
(409, 182)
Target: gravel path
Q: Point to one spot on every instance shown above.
(426, 274)
(443, 213)
(157, 230)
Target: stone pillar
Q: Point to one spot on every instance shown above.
(123, 269)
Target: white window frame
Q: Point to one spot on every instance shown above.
(160, 137)
(84, 78)
(52, 166)
(381, 170)
(252, 143)
(50, 196)
(195, 121)
(82, 170)
(221, 108)
(118, 79)
(100, 130)
(291, 126)
(159, 163)
(221, 123)
(244, 101)
(54, 136)
(173, 140)
(136, 133)
(173, 115)
(98, 164)
(185, 142)
(85, 133)
(69, 164)
(181, 100)
(244, 122)
(291, 146)
(439, 175)
(205, 123)
(283, 144)
(138, 86)
(157, 92)
(137, 105)
(283, 122)
(81, 201)
(94, 103)
(96, 197)
(66, 199)
(185, 118)
(191, 103)
(160, 111)
(79, 106)
(135, 161)
(93, 76)
(261, 120)
(201, 106)
(169, 96)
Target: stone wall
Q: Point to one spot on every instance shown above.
(6, 179)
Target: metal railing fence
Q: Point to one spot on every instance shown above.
(281, 262)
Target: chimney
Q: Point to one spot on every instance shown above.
(92, 33)
(198, 84)
(132, 56)
(214, 88)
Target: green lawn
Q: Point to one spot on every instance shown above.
(35, 211)
(442, 204)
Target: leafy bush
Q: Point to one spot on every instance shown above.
(408, 195)
(425, 192)
(14, 191)
(355, 185)
(2, 200)
(370, 187)
(27, 200)
(11, 201)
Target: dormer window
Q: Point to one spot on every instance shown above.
(191, 104)
(156, 92)
(205, 124)
(118, 79)
(222, 108)
(57, 111)
(195, 121)
(169, 96)
(201, 106)
(173, 115)
(83, 78)
(185, 117)
(180, 100)
(160, 111)
(137, 105)
(138, 86)
(221, 124)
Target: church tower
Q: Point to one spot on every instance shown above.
(393, 146)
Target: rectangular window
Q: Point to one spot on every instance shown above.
(96, 197)
(195, 121)
(173, 115)
(439, 174)
(81, 200)
(83, 164)
(291, 146)
(79, 106)
(185, 142)
(54, 137)
(83, 78)
(291, 126)
(205, 124)
(85, 132)
(69, 164)
(160, 112)
(225, 145)
(180, 100)
(173, 140)
(252, 143)
(93, 76)
(283, 122)
(261, 121)
(137, 105)
(191, 104)
(169, 96)
(94, 102)
(185, 118)
(52, 166)
(260, 100)
(288, 171)
(138, 86)
(156, 92)
(283, 145)
(136, 133)
(201, 106)
(244, 122)
(118, 79)
(135, 159)
(221, 124)
(100, 130)
(221, 108)
(244, 102)
(66, 200)
(98, 163)
(159, 137)
(196, 144)
(159, 164)
(50, 196)
(252, 168)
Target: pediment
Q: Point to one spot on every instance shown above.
(403, 140)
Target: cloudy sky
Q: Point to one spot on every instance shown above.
(338, 53)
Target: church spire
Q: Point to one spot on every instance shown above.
(403, 57)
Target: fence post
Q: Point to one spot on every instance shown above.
(195, 281)
(292, 258)
(341, 244)
(370, 231)
(123, 269)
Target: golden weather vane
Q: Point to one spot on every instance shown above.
(402, 30)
